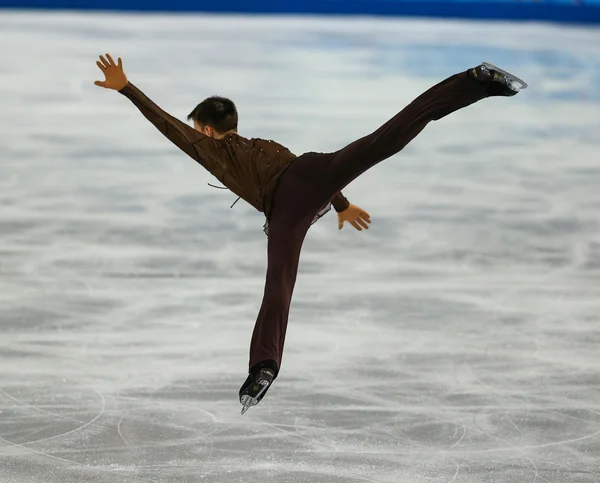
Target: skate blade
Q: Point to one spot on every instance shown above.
(514, 82)
(249, 401)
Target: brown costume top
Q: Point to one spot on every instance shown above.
(250, 168)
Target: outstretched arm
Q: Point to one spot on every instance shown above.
(195, 144)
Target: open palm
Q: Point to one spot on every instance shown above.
(114, 77)
(356, 216)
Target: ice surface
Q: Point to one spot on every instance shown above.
(455, 341)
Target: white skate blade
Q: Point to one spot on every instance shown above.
(249, 401)
(514, 82)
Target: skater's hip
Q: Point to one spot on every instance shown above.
(300, 191)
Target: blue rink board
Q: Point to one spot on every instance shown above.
(555, 11)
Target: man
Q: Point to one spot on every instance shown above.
(293, 191)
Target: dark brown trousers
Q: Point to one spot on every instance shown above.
(313, 180)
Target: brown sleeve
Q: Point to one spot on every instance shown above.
(195, 144)
(340, 202)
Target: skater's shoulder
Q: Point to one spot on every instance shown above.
(236, 138)
(258, 144)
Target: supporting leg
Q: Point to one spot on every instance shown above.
(284, 246)
(286, 235)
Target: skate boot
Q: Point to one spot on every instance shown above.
(257, 384)
(498, 81)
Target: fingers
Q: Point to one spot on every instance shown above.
(100, 83)
(358, 218)
(101, 65)
(104, 62)
(355, 225)
(358, 224)
(362, 223)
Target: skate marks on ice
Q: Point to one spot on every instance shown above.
(167, 434)
(455, 341)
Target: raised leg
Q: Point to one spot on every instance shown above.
(456, 92)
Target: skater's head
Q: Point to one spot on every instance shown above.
(215, 117)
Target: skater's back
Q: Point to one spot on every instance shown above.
(250, 168)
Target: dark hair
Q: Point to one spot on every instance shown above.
(217, 112)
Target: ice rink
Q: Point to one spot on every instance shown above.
(455, 341)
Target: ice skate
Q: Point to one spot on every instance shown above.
(489, 73)
(255, 387)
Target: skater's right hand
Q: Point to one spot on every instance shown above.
(354, 215)
(115, 78)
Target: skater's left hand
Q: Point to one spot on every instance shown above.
(356, 216)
